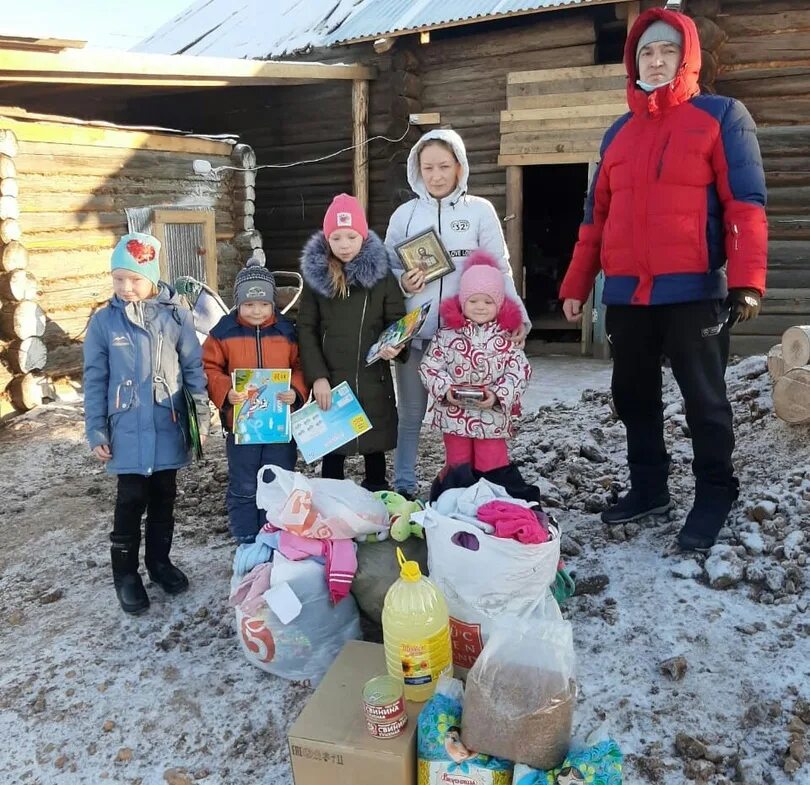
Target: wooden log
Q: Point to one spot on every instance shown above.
(65, 361)
(712, 36)
(765, 82)
(26, 392)
(783, 140)
(791, 396)
(28, 355)
(765, 48)
(405, 83)
(18, 285)
(8, 143)
(7, 167)
(9, 187)
(22, 320)
(359, 140)
(243, 155)
(796, 346)
(9, 207)
(709, 68)
(776, 362)
(405, 60)
(710, 8)
(10, 230)
(402, 106)
(766, 23)
(13, 256)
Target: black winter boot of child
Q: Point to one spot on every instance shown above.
(708, 514)
(128, 585)
(161, 571)
(648, 495)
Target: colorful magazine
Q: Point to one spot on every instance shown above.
(262, 418)
(399, 332)
(318, 432)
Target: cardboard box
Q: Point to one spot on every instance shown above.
(329, 743)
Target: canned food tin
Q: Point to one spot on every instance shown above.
(384, 707)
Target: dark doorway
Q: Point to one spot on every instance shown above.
(553, 198)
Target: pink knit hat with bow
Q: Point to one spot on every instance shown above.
(482, 276)
(345, 212)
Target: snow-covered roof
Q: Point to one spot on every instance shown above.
(260, 29)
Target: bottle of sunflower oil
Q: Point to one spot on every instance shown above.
(416, 632)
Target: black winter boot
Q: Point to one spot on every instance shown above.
(161, 571)
(708, 514)
(648, 495)
(128, 585)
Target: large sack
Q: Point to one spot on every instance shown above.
(500, 577)
(318, 508)
(305, 647)
(378, 569)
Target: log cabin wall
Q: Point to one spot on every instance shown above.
(72, 184)
(764, 63)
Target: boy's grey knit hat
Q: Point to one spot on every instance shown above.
(254, 282)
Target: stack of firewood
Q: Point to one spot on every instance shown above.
(789, 366)
(22, 321)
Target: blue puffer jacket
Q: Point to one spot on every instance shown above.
(137, 358)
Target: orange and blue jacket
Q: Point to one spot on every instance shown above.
(676, 209)
(235, 344)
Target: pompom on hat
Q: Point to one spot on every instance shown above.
(139, 253)
(254, 282)
(481, 276)
(345, 212)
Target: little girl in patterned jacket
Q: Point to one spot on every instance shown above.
(473, 349)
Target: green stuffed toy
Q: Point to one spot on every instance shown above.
(399, 512)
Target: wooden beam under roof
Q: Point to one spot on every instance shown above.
(39, 44)
(137, 68)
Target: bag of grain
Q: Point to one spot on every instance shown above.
(521, 692)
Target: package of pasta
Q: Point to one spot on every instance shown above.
(443, 758)
(594, 763)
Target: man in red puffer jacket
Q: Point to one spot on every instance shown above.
(676, 219)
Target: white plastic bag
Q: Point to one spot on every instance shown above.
(305, 647)
(520, 695)
(501, 577)
(317, 508)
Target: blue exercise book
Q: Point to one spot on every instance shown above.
(262, 418)
(318, 432)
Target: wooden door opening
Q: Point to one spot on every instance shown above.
(553, 198)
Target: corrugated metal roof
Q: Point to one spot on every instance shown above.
(375, 18)
(270, 28)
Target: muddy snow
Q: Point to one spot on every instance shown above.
(699, 664)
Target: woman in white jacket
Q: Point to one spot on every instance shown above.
(438, 173)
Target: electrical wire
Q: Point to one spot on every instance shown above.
(218, 169)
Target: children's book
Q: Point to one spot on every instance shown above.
(318, 432)
(399, 332)
(262, 418)
(193, 424)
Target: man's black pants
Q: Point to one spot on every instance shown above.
(694, 338)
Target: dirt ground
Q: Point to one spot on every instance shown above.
(88, 695)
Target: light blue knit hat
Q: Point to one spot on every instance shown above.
(139, 253)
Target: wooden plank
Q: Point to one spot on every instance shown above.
(567, 86)
(64, 133)
(604, 97)
(102, 63)
(576, 141)
(514, 225)
(529, 126)
(359, 139)
(549, 158)
(557, 74)
(554, 112)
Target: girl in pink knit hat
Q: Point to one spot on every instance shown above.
(474, 373)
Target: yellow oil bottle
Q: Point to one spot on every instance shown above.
(416, 631)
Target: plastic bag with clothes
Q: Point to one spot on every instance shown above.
(442, 757)
(521, 693)
(484, 578)
(287, 624)
(318, 508)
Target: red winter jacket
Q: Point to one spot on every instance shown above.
(676, 209)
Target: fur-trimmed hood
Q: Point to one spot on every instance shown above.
(368, 268)
(509, 317)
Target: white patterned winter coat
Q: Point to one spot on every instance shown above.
(467, 353)
(137, 359)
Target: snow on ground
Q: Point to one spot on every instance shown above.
(701, 666)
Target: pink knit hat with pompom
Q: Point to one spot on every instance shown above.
(482, 276)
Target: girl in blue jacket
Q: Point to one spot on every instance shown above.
(139, 354)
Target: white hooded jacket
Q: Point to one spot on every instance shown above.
(464, 223)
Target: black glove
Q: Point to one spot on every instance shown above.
(744, 305)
